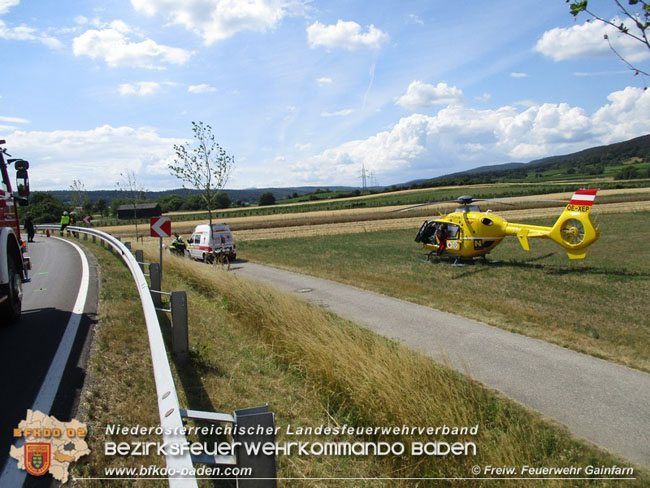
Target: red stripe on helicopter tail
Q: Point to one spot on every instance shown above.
(584, 197)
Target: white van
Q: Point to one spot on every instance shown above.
(203, 242)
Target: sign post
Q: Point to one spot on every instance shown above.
(160, 227)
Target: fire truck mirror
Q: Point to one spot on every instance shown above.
(22, 185)
(21, 164)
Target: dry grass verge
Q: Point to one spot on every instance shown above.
(362, 379)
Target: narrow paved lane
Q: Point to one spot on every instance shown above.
(28, 348)
(600, 401)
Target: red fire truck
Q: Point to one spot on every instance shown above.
(14, 262)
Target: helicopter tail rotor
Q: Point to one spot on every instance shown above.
(574, 229)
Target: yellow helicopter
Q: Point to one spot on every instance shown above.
(468, 232)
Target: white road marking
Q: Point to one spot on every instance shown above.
(11, 475)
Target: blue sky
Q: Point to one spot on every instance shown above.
(306, 92)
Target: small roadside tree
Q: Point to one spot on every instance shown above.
(78, 194)
(204, 165)
(134, 192)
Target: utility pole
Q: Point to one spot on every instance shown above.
(363, 176)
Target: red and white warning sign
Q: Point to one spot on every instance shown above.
(160, 227)
(86, 219)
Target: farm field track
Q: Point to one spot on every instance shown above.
(377, 214)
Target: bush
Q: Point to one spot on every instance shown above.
(266, 198)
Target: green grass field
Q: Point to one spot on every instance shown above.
(252, 345)
(598, 305)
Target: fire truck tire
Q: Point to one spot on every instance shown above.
(11, 307)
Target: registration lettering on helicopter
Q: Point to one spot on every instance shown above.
(578, 208)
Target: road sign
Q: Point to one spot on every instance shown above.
(160, 227)
(86, 219)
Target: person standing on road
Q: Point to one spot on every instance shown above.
(29, 227)
(65, 220)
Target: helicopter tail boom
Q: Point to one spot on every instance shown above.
(574, 230)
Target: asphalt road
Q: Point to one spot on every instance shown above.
(597, 400)
(29, 347)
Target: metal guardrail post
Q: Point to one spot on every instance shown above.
(94, 239)
(179, 325)
(139, 257)
(127, 244)
(262, 466)
(154, 277)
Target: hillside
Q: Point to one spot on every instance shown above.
(627, 160)
(602, 160)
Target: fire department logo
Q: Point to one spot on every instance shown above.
(50, 445)
(37, 458)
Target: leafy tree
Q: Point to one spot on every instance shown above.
(44, 208)
(87, 207)
(102, 207)
(628, 173)
(266, 198)
(204, 165)
(194, 202)
(637, 13)
(223, 200)
(171, 203)
(115, 203)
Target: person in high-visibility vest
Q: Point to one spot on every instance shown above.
(65, 220)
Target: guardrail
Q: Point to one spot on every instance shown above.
(171, 415)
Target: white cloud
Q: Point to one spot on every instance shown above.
(415, 19)
(303, 147)
(627, 115)
(458, 138)
(338, 113)
(5, 5)
(587, 40)
(202, 88)
(324, 81)
(345, 35)
(140, 88)
(13, 120)
(518, 75)
(215, 21)
(113, 46)
(96, 156)
(25, 33)
(423, 95)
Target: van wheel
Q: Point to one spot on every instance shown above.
(12, 306)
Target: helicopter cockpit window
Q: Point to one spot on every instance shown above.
(452, 231)
(487, 221)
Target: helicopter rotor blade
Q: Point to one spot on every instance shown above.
(505, 200)
(423, 205)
